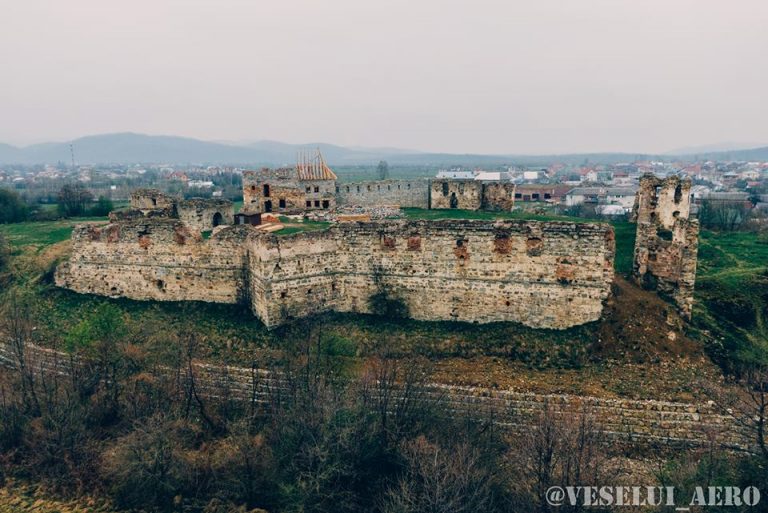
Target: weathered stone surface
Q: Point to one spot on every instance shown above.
(404, 193)
(541, 274)
(471, 194)
(157, 259)
(454, 272)
(667, 239)
(622, 422)
(498, 196)
(148, 199)
(283, 190)
(461, 194)
(205, 214)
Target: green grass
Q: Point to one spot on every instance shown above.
(731, 308)
(625, 246)
(306, 226)
(729, 257)
(420, 213)
(42, 233)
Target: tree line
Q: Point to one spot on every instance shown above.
(73, 200)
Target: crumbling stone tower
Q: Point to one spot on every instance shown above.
(667, 239)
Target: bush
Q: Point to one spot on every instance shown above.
(103, 207)
(12, 207)
(5, 253)
(144, 469)
(73, 199)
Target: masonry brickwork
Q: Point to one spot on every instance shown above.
(544, 275)
(498, 196)
(667, 240)
(461, 194)
(471, 195)
(156, 259)
(205, 214)
(149, 199)
(198, 214)
(541, 274)
(404, 193)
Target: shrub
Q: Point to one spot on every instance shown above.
(12, 207)
(103, 207)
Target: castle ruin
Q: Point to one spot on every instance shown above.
(540, 274)
(667, 238)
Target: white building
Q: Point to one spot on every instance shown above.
(622, 196)
(493, 176)
(201, 184)
(530, 175)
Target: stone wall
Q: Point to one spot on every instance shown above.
(541, 274)
(461, 194)
(205, 214)
(544, 275)
(155, 259)
(667, 240)
(405, 193)
(471, 195)
(149, 199)
(280, 190)
(498, 196)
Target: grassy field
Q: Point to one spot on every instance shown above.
(43, 233)
(731, 293)
(420, 213)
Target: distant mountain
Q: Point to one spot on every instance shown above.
(10, 154)
(760, 154)
(130, 148)
(714, 148)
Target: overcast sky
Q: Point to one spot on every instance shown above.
(492, 76)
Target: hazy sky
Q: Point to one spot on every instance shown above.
(524, 76)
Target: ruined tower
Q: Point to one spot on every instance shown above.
(310, 185)
(667, 239)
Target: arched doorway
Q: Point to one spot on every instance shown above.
(218, 219)
(268, 206)
(454, 200)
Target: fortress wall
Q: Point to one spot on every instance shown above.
(155, 259)
(405, 193)
(498, 196)
(292, 277)
(544, 275)
(452, 193)
(541, 274)
(198, 213)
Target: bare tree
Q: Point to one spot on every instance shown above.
(16, 322)
(382, 170)
(556, 448)
(723, 215)
(438, 479)
(74, 199)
